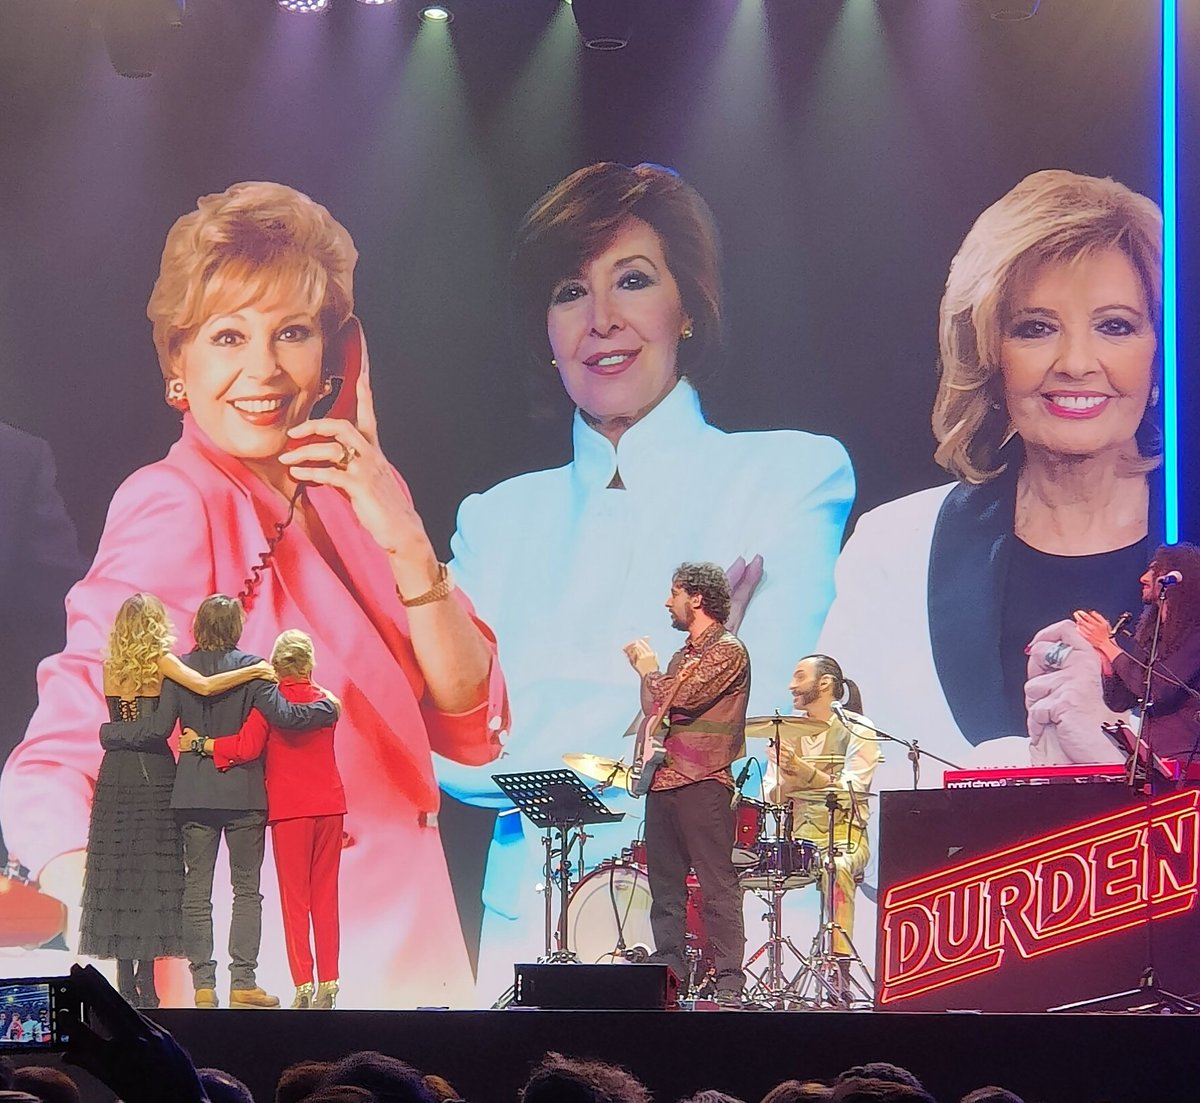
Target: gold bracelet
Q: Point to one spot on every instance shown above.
(443, 587)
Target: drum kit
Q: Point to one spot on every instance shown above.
(608, 909)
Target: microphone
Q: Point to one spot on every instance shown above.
(741, 780)
(1122, 620)
(839, 712)
(1171, 578)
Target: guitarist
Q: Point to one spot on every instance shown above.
(701, 700)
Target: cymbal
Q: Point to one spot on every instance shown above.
(765, 727)
(833, 758)
(597, 766)
(818, 795)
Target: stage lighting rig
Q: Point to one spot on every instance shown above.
(436, 13)
(304, 7)
(135, 31)
(1011, 11)
(605, 24)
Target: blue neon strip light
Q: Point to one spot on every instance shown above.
(1170, 394)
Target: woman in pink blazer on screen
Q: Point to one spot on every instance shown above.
(253, 324)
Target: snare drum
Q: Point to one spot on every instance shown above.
(783, 864)
(750, 819)
(612, 904)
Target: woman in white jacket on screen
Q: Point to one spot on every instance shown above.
(617, 297)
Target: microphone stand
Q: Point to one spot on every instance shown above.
(1149, 996)
(915, 750)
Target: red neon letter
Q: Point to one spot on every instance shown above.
(1062, 890)
(907, 940)
(1011, 898)
(1118, 862)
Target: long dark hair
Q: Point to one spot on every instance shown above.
(1183, 599)
(843, 687)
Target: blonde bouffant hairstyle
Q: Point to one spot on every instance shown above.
(1053, 216)
(252, 243)
(141, 634)
(293, 653)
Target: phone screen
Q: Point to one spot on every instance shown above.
(36, 1014)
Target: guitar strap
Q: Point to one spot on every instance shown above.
(685, 672)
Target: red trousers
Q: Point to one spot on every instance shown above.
(308, 855)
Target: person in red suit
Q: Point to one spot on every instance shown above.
(305, 808)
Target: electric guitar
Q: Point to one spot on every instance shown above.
(649, 750)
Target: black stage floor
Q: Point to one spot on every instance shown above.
(487, 1054)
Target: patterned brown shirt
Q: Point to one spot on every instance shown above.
(709, 678)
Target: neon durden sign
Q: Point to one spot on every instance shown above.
(1039, 897)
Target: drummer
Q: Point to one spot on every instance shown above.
(840, 755)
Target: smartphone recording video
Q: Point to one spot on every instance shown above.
(37, 1014)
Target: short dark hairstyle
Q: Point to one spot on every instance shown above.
(297, 1081)
(880, 1070)
(50, 1085)
(389, 1079)
(991, 1094)
(797, 1091)
(559, 1079)
(709, 581)
(223, 1087)
(871, 1089)
(578, 217)
(218, 623)
(340, 1093)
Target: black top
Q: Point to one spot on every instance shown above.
(1042, 588)
(968, 565)
(144, 723)
(1174, 729)
(198, 783)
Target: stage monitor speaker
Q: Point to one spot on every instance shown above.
(596, 987)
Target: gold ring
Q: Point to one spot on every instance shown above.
(348, 454)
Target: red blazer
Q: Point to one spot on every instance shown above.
(191, 525)
(301, 772)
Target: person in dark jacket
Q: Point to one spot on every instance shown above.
(233, 803)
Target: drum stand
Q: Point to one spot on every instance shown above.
(771, 986)
(832, 975)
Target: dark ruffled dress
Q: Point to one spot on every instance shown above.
(133, 882)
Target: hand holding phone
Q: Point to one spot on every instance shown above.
(135, 1057)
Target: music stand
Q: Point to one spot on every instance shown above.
(558, 802)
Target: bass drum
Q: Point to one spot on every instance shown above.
(611, 905)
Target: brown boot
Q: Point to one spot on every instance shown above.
(207, 997)
(251, 997)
